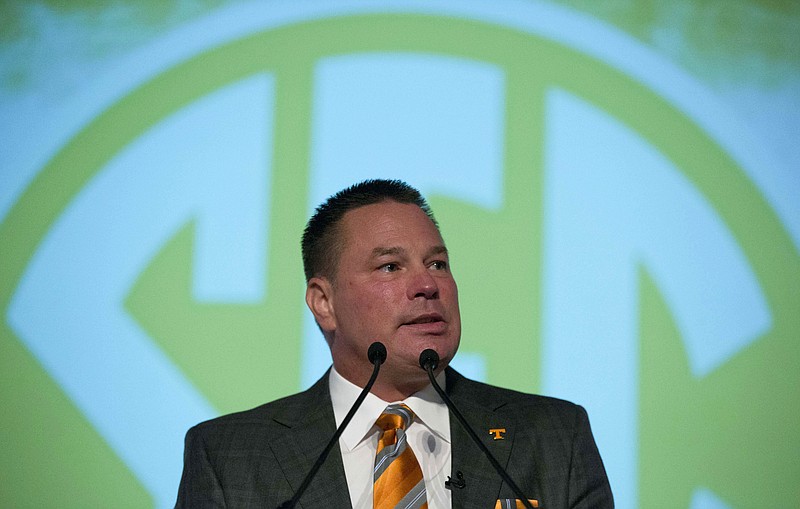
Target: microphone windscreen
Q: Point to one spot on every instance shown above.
(428, 357)
(376, 352)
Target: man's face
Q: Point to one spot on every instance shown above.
(393, 284)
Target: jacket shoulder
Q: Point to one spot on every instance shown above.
(543, 410)
(276, 414)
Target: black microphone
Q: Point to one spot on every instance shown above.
(377, 356)
(376, 353)
(429, 360)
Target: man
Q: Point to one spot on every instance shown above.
(377, 269)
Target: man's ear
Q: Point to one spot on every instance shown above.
(319, 299)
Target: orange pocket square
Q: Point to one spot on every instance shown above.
(514, 503)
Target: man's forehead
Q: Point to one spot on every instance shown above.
(387, 214)
(382, 206)
(389, 225)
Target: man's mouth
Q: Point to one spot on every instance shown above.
(426, 318)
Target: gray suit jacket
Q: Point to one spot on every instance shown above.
(259, 457)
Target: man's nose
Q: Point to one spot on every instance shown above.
(423, 284)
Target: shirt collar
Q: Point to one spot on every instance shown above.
(426, 404)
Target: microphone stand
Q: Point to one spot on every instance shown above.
(376, 355)
(428, 360)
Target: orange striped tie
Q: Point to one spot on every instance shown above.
(398, 479)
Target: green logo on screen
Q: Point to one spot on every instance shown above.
(608, 244)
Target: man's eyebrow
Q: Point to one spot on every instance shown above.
(387, 251)
(441, 249)
(395, 251)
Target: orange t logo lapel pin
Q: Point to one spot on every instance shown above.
(498, 433)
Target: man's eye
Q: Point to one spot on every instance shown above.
(439, 265)
(389, 267)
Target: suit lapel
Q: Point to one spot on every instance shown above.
(483, 483)
(309, 424)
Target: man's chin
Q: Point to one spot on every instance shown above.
(410, 359)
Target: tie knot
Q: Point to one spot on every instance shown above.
(395, 416)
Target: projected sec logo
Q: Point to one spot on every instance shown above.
(608, 244)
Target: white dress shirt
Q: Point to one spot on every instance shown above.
(428, 436)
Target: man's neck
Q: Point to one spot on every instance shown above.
(390, 387)
(391, 393)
